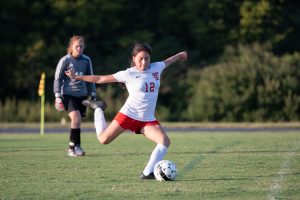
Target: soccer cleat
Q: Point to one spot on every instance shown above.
(94, 104)
(148, 177)
(71, 153)
(79, 151)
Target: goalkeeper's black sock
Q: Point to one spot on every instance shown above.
(75, 137)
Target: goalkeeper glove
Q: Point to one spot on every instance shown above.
(59, 104)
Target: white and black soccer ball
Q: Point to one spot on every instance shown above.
(165, 170)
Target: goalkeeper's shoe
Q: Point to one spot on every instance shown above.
(79, 151)
(71, 153)
(94, 104)
(148, 177)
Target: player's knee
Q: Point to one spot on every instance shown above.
(103, 140)
(75, 119)
(75, 122)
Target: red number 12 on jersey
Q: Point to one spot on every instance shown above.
(150, 87)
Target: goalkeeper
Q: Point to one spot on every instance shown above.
(69, 93)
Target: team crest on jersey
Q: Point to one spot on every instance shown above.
(155, 75)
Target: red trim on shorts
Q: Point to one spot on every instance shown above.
(135, 126)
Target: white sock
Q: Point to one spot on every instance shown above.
(99, 121)
(157, 155)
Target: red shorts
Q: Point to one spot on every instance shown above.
(135, 126)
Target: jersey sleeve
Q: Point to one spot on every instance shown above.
(121, 76)
(160, 65)
(59, 73)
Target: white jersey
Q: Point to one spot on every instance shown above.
(143, 87)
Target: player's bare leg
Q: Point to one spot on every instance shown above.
(110, 133)
(156, 134)
(105, 134)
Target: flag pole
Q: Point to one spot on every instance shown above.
(42, 95)
(42, 114)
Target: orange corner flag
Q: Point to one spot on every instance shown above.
(42, 85)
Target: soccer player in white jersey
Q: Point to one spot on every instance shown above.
(142, 81)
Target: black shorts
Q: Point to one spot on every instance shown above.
(72, 103)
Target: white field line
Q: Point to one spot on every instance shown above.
(279, 180)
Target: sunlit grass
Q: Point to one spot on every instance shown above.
(210, 166)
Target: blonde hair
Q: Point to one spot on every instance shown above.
(72, 40)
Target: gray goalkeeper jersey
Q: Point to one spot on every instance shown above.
(64, 85)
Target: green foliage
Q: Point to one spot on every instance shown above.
(249, 84)
(13, 110)
(258, 20)
(203, 28)
(275, 22)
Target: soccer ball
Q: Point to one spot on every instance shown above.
(165, 170)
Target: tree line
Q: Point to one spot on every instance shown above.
(243, 55)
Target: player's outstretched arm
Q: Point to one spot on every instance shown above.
(181, 56)
(91, 78)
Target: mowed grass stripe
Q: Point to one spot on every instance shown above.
(199, 157)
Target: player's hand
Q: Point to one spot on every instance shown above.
(59, 104)
(70, 73)
(182, 55)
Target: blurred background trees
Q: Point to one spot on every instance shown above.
(243, 55)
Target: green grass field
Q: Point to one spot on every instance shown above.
(232, 165)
